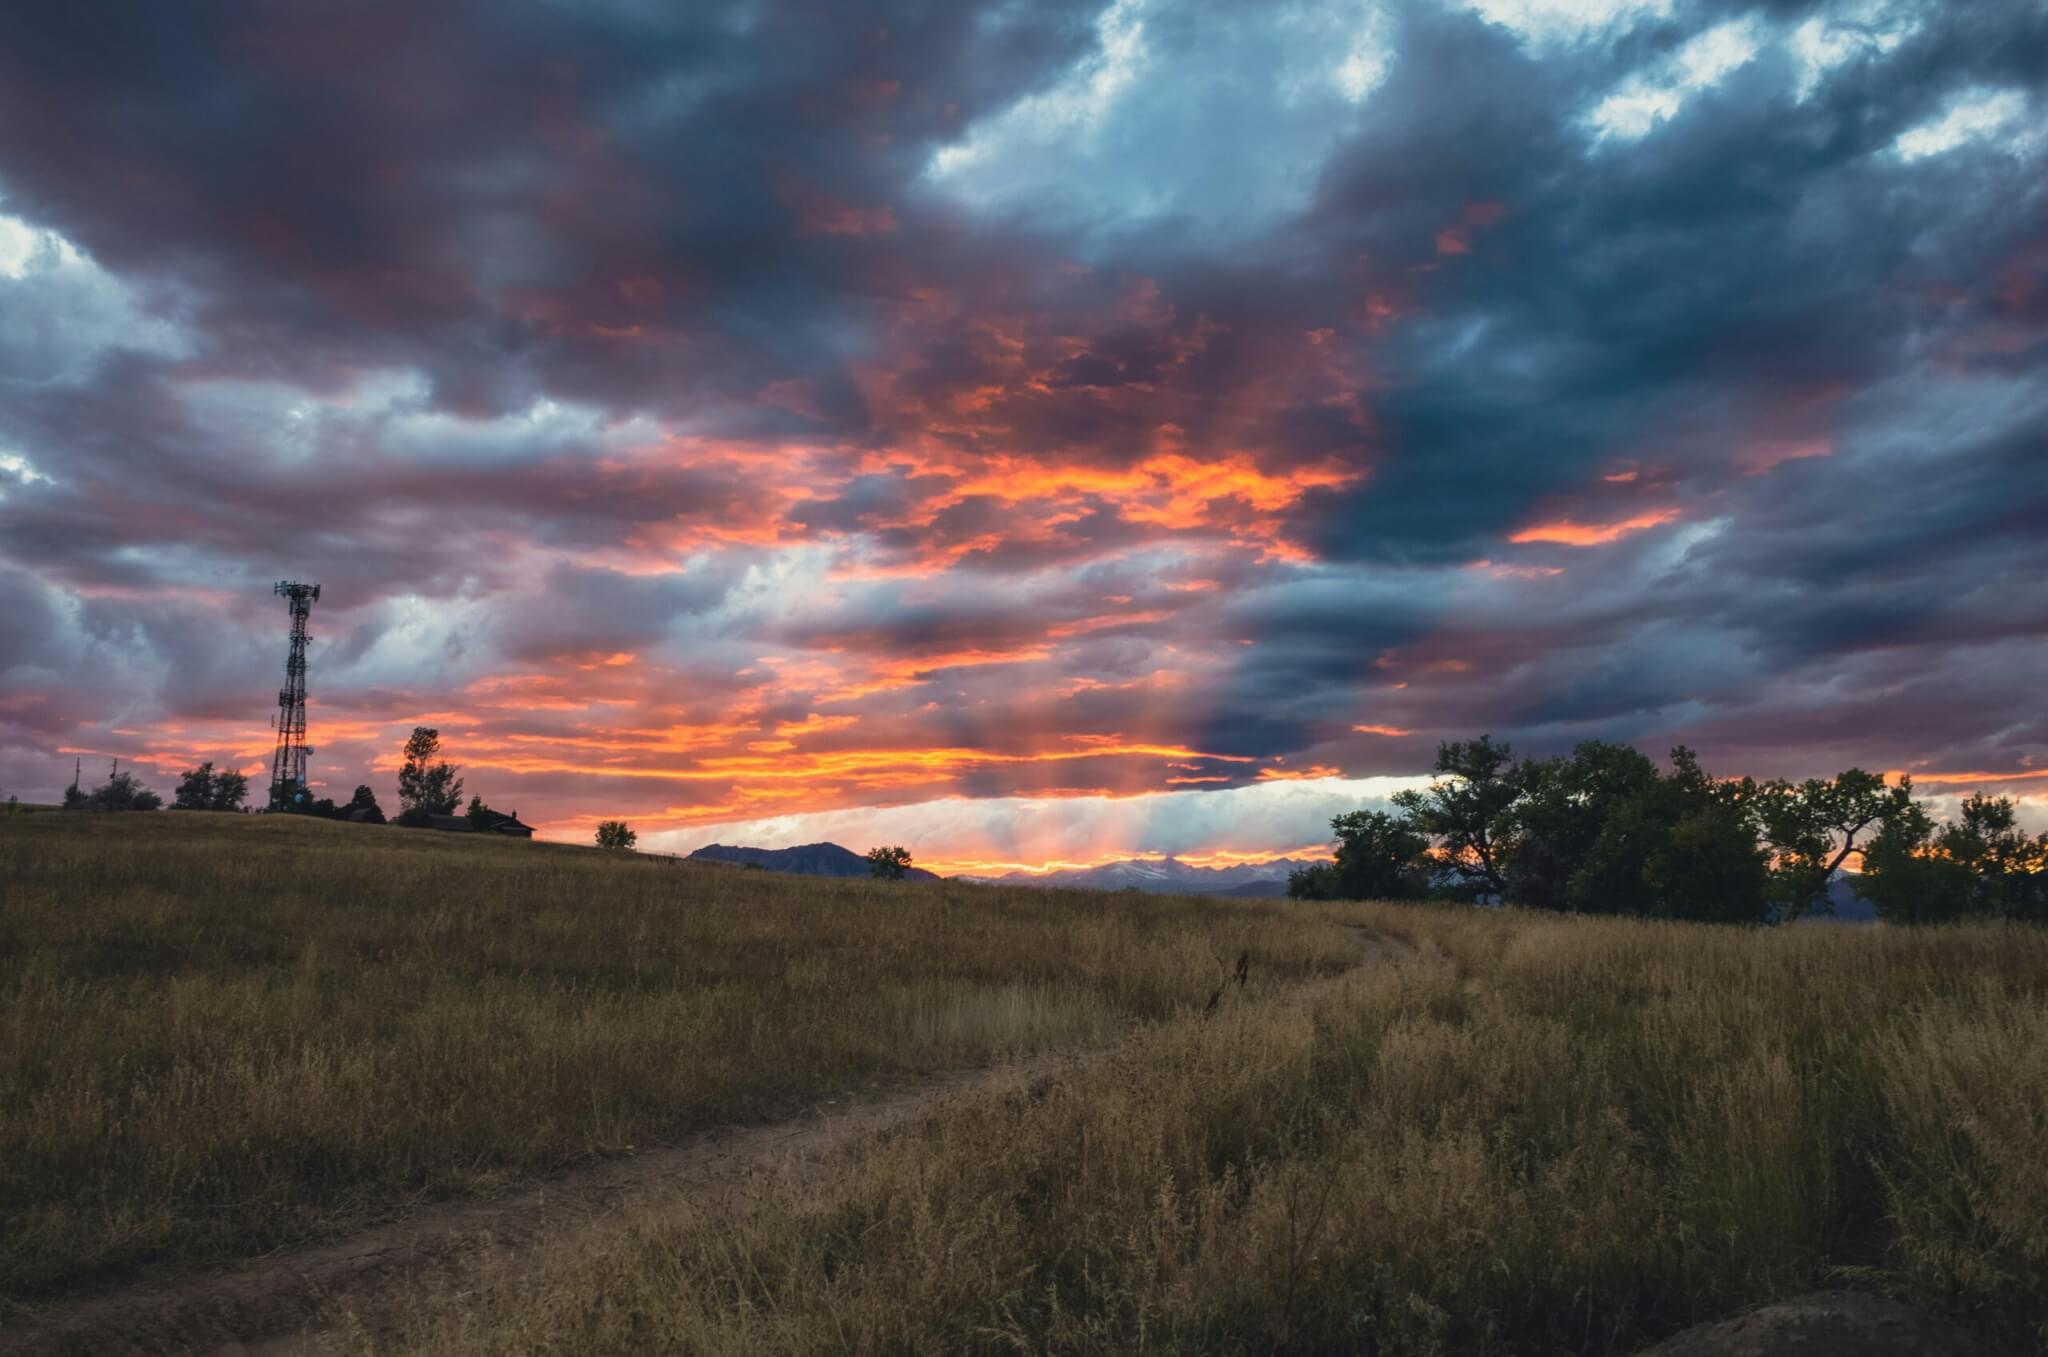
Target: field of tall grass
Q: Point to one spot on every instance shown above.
(221, 1035)
(1539, 1135)
(1533, 1134)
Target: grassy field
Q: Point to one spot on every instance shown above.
(1543, 1135)
(1537, 1134)
(220, 1035)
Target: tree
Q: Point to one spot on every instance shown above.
(1814, 827)
(1564, 805)
(202, 788)
(1907, 878)
(889, 864)
(2008, 870)
(1707, 866)
(615, 834)
(195, 789)
(1379, 857)
(365, 800)
(1466, 811)
(1681, 845)
(122, 791)
(230, 789)
(425, 785)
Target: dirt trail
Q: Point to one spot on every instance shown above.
(275, 1304)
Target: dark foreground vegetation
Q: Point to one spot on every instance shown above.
(1605, 831)
(1543, 1134)
(222, 1034)
(1523, 1132)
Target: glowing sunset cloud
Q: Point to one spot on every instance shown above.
(1572, 534)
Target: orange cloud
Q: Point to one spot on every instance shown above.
(1298, 774)
(1575, 534)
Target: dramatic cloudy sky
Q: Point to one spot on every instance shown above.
(1023, 431)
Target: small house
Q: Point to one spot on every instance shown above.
(490, 822)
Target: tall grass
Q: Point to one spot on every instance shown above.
(221, 1035)
(1542, 1135)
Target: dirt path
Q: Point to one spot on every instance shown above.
(275, 1304)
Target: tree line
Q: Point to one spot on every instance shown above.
(1604, 830)
(427, 786)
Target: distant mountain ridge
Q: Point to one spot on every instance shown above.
(1166, 876)
(810, 859)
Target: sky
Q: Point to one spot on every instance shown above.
(1030, 433)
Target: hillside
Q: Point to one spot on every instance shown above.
(1415, 1130)
(811, 859)
(228, 1033)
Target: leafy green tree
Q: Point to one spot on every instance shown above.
(1466, 811)
(1813, 827)
(1908, 879)
(889, 864)
(2009, 870)
(616, 834)
(1563, 806)
(426, 785)
(1681, 845)
(1708, 866)
(1379, 857)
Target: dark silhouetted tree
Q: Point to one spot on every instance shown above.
(615, 834)
(1379, 857)
(365, 800)
(890, 864)
(230, 790)
(1676, 846)
(121, 791)
(1465, 812)
(1908, 879)
(426, 785)
(2008, 870)
(1563, 807)
(1813, 827)
(1707, 865)
(204, 788)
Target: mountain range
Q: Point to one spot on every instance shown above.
(1165, 876)
(810, 859)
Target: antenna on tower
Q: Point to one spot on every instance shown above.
(288, 764)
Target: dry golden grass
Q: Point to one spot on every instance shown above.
(1541, 1135)
(222, 1035)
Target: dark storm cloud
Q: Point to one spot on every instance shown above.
(600, 201)
(909, 378)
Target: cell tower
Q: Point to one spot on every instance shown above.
(288, 765)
